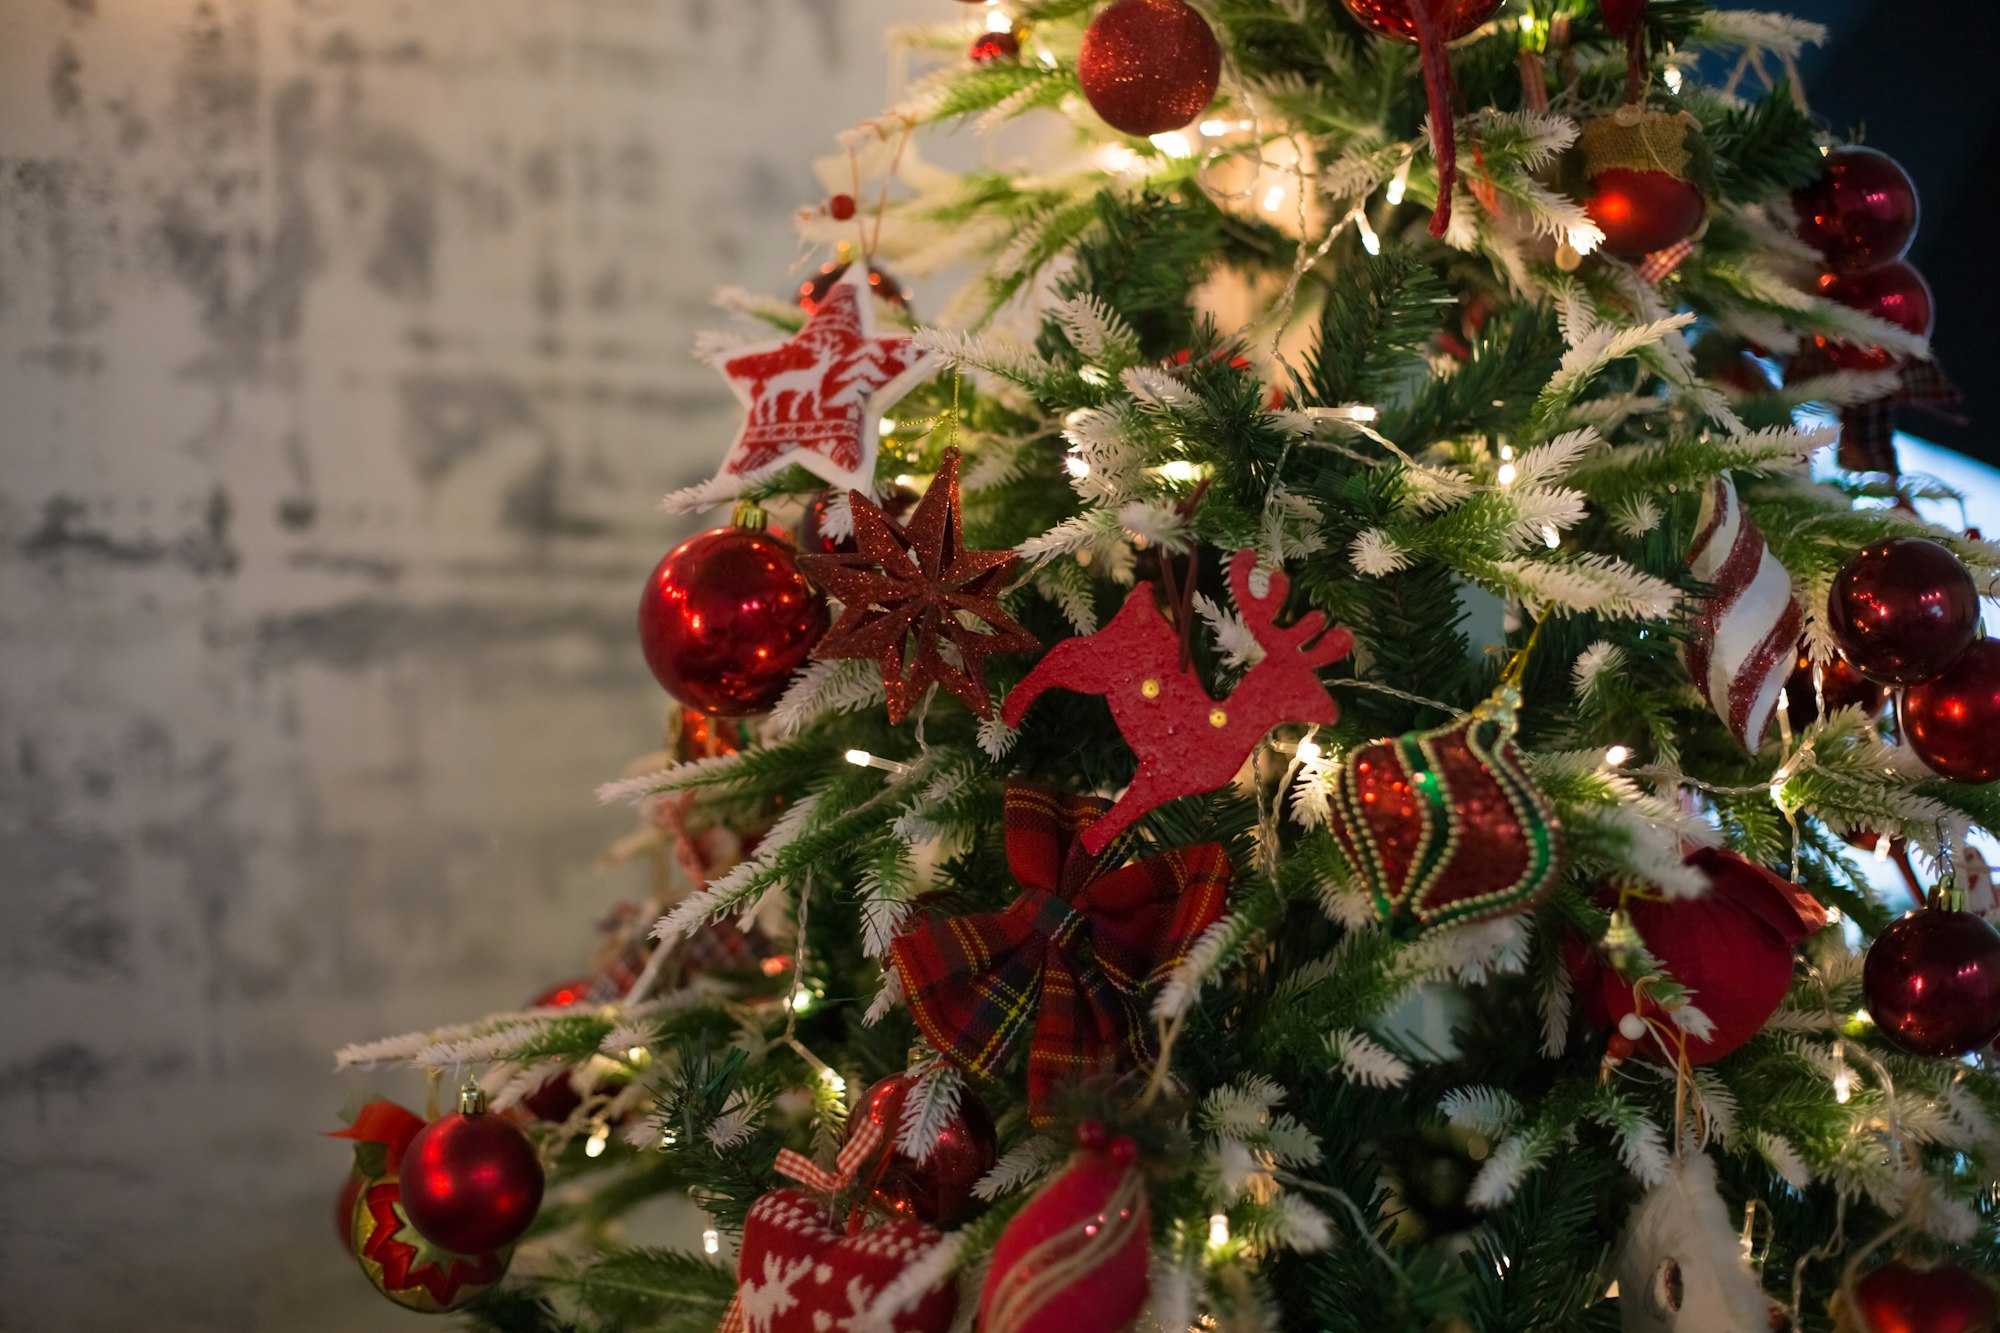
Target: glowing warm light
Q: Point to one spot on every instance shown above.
(1550, 537)
(1274, 198)
(1527, 23)
(860, 758)
(1843, 1087)
(636, 1054)
(833, 1080)
(1672, 79)
(802, 1001)
(1505, 476)
(711, 1243)
(1369, 240)
(887, 425)
(1179, 470)
(1309, 750)
(1077, 466)
(1882, 848)
(1616, 755)
(1218, 1230)
(1173, 143)
(997, 21)
(1399, 184)
(1213, 128)
(1506, 450)
(594, 1145)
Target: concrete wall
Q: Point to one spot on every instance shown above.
(342, 356)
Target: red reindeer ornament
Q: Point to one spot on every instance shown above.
(1187, 741)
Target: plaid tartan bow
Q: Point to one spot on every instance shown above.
(1073, 957)
(1868, 430)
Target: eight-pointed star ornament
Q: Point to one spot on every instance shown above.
(817, 397)
(917, 581)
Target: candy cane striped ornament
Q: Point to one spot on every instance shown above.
(1746, 631)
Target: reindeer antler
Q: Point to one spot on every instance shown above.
(1260, 613)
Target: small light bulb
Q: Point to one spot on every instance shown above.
(1616, 754)
(635, 1054)
(1506, 450)
(997, 21)
(1882, 848)
(1673, 79)
(1399, 184)
(1218, 1230)
(1173, 143)
(833, 1080)
(1527, 23)
(1214, 128)
(905, 479)
(1274, 198)
(668, 1138)
(802, 1001)
(711, 1243)
(1369, 240)
(1309, 750)
(860, 758)
(1550, 537)
(1077, 466)
(887, 425)
(1843, 1087)
(594, 1145)
(1506, 474)
(1179, 469)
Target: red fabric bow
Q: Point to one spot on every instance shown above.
(1074, 957)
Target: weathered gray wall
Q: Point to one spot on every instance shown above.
(342, 355)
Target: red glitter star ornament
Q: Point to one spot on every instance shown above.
(817, 398)
(917, 581)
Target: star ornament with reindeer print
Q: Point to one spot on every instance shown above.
(817, 397)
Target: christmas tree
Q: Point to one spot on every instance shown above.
(1315, 753)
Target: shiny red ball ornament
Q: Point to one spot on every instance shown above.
(1903, 610)
(1841, 686)
(1953, 722)
(1932, 982)
(1861, 212)
(471, 1181)
(937, 1190)
(1643, 211)
(1900, 1297)
(1405, 20)
(989, 47)
(1148, 66)
(1894, 292)
(727, 618)
(812, 534)
(841, 207)
(884, 288)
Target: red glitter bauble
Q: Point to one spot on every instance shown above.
(1953, 722)
(885, 288)
(1148, 66)
(938, 1189)
(1932, 982)
(1903, 610)
(1861, 212)
(1840, 684)
(471, 1181)
(988, 47)
(727, 618)
(1642, 211)
(1900, 1297)
(1895, 292)
(812, 536)
(1396, 18)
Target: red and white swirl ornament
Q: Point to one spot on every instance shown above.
(1741, 645)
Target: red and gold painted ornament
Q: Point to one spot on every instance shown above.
(410, 1269)
(1148, 66)
(1075, 1257)
(381, 1132)
(727, 618)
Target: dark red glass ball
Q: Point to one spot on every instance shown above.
(1903, 610)
(727, 618)
(937, 1190)
(471, 1182)
(1842, 686)
(812, 535)
(885, 288)
(1148, 66)
(1932, 982)
(1861, 212)
(1953, 722)
(988, 47)
(1642, 211)
(1451, 18)
(1901, 1298)
(1896, 293)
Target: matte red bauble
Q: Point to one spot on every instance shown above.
(1901, 1298)
(884, 288)
(1840, 685)
(1643, 211)
(989, 47)
(1075, 1257)
(1903, 610)
(1148, 66)
(1861, 212)
(471, 1181)
(938, 1189)
(726, 618)
(1953, 722)
(1732, 948)
(1932, 982)
(1895, 292)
